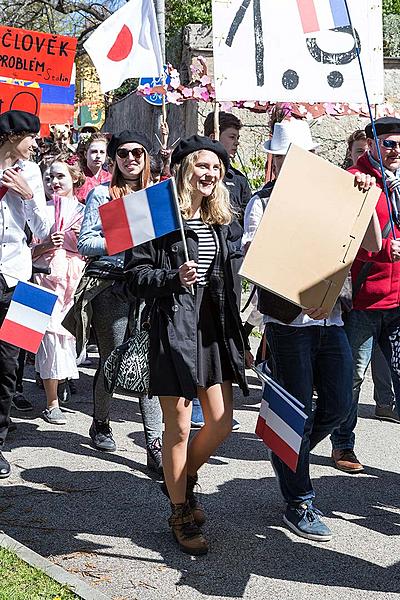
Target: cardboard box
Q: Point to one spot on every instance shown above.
(310, 232)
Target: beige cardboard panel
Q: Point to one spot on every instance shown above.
(311, 231)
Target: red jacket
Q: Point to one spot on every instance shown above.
(381, 289)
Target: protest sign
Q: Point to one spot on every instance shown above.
(297, 50)
(36, 56)
(17, 97)
(310, 232)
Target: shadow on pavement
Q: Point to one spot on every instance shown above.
(244, 526)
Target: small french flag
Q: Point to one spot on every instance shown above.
(281, 422)
(28, 316)
(322, 15)
(139, 217)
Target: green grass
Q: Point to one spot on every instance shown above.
(20, 581)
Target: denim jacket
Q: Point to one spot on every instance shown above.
(91, 240)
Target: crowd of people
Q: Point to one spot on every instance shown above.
(199, 347)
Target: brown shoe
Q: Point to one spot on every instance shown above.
(198, 513)
(346, 460)
(197, 510)
(185, 531)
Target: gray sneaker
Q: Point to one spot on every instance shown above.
(54, 416)
(387, 413)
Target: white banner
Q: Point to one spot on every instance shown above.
(297, 50)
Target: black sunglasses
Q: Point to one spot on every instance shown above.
(136, 152)
(390, 144)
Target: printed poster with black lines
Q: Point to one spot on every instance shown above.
(297, 50)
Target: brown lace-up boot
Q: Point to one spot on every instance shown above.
(185, 531)
(195, 506)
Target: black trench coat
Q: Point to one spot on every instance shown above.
(152, 273)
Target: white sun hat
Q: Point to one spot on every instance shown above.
(290, 131)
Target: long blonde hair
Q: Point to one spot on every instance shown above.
(118, 185)
(216, 208)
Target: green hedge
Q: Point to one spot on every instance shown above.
(391, 34)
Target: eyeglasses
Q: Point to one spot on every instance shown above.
(390, 144)
(124, 152)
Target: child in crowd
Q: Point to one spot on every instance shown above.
(93, 157)
(56, 358)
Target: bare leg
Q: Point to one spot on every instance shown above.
(177, 412)
(50, 387)
(217, 405)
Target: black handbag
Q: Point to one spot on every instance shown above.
(103, 269)
(127, 367)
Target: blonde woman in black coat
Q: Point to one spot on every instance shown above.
(197, 346)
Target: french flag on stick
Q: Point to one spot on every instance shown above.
(322, 15)
(28, 316)
(281, 423)
(139, 217)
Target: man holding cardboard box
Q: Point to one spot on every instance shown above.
(376, 279)
(309, 347)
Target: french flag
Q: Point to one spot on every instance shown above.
(139, 217)
(281, 423)
(322, 15)
(28, 316)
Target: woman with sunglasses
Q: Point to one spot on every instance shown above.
(196, 338)
(110, 310)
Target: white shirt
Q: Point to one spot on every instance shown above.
(15, 213)
(252, 218)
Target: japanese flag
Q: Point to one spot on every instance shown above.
(126, 45)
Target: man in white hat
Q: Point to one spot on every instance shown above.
(309, 348)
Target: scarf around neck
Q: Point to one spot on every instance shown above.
(393, 184)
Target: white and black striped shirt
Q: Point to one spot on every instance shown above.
(208, 248)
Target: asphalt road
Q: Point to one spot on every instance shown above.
(102, 517)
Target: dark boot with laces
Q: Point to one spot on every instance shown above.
(154, 457)
(195, 506)
(101, 436)
(185, 531)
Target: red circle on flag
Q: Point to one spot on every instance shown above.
(122, 45)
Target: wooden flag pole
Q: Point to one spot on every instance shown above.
(216, 120)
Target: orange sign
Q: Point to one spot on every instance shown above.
(36, 56)
(18, 97)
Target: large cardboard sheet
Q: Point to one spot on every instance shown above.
(310, 232)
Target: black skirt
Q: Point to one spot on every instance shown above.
(213, 364)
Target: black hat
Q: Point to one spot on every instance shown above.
(196, 143)
(383, 126)
(124, 138)
(18, 121)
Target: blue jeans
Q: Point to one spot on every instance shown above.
(364, 329)
(303, 357)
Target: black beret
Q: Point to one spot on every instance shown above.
(18, 121)
(196, 143)
(383, 126)
(125, 137)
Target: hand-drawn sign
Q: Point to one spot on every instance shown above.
(36, 56)
(258, 35)
(18, 97)
(297, 50)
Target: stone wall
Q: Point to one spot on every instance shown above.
(329, 132)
